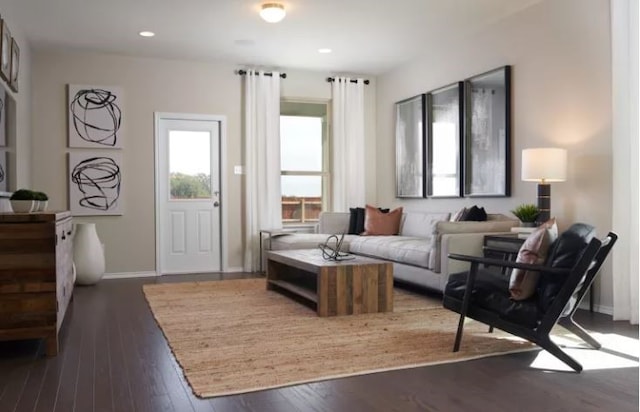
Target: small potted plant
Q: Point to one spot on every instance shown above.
(22, 201)
(42, 199)
(527, 214)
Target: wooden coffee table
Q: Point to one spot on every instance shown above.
(347, 287)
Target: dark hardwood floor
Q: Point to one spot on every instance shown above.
(113, 357)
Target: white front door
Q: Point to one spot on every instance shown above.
(188, 198)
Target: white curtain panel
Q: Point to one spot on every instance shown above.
(262, 161)
(626, 184)
(348, 181)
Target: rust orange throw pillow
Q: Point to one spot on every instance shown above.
(378, 223)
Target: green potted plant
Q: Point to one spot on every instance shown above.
(22, 201)
(527, 214)
(42, 199)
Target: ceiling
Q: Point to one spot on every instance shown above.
(366, 36)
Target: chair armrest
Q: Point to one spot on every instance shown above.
(509, 264)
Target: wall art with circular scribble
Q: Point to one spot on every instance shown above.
(95, 183)
(95, 116)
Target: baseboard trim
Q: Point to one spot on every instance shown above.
(607, 310)
(129, 275)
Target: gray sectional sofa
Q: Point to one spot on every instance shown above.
(418, 253)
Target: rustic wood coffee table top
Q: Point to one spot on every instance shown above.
(351, 286)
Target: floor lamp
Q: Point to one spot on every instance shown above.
(544, 165)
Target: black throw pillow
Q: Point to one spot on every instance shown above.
(356, 220)
(475, 214)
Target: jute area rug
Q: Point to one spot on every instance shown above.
(234, 336)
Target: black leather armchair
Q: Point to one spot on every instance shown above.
(482, 294)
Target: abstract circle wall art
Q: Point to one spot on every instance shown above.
(95, 116)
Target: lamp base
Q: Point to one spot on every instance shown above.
(544, 202)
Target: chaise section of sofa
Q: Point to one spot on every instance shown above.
(419, 253)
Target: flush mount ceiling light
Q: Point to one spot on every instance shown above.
(324, 51)
(272, 12)
(147, 33)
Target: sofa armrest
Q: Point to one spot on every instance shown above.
(469, 244)
(333, 222)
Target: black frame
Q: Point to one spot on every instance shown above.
(15, 65)
(429, 146)
(5, 51)
(420, 140)
(468, 139)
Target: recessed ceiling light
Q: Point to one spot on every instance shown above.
(272, 12)
(324, 51)
(147, 33)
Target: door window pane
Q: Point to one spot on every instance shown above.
(189, 164)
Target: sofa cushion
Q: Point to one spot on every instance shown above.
(291, 241)
(422, 224)
(402, 249)
(377, 222)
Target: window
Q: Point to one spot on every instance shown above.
(304, 161)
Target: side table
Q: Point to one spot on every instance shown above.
(268, 234)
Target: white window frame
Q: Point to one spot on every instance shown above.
(325, 173)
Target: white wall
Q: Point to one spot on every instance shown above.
(150, 85)
(561, 96)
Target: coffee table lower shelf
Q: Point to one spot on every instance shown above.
(296, 290)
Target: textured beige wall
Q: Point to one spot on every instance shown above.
(150, 85)
(561, 95)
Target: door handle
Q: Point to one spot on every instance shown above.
(216, 204)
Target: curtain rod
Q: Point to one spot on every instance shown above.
(243, 72)
(332, 79)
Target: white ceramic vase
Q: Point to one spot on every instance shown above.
(88, 254)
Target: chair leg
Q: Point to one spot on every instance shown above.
(491, 329)
(555, 350)
(571, 325)
(456, 344)
(471, 277)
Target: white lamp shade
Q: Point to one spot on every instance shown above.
(272, 12)
(547, 164)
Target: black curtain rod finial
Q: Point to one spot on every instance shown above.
(332, 79)
(243, 72)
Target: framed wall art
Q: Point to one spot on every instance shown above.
(487, 119)
(95, 116)
(3, 117)
(4, 178)
(444, 141)
(95, 183)
(410, 144)
(15, 65)
(5, 51)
